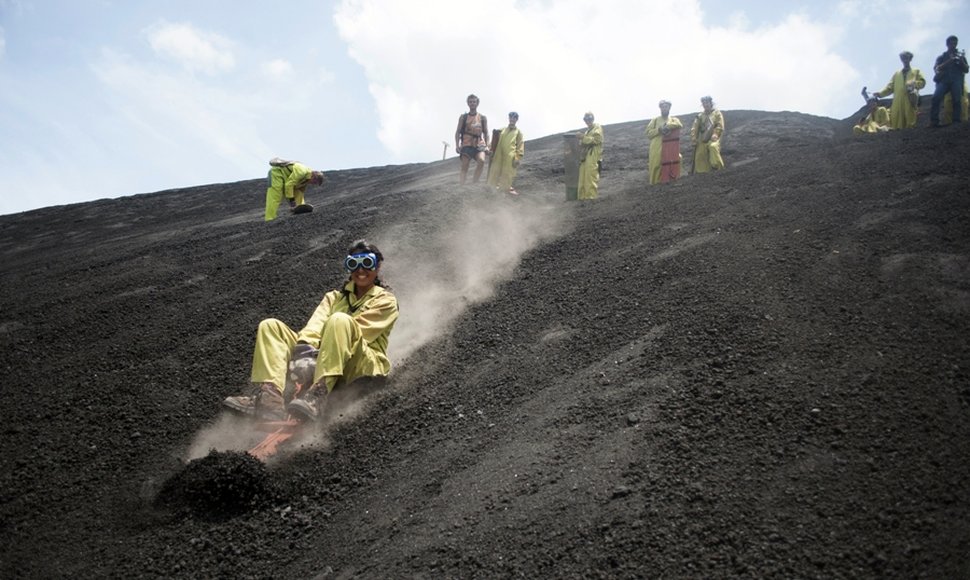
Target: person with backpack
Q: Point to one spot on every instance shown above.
(904, 87)
(471, 139)
(347, 334)
(288, 179)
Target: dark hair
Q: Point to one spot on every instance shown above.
(953, 38)
(362, 246)
(472, 96)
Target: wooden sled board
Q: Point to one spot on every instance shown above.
(670, 156)
(279, 432)
(304, 208)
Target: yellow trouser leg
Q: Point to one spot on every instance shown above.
(274, 193)
(274, 343)
(344, 352)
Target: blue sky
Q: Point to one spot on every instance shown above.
(103, 98)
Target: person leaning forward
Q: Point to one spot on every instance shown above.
(471, 139)
(591, 143)
(705, 135)
(288, 179)
(347, 333)
(656, 130)
(904, 87)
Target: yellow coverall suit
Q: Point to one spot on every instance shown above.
(505, 160)
(655, 134)
(875, 121)
(289, 181)
(902, 113)
(351, 334)
(589, 170)
(707, 155)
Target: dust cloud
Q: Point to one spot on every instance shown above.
(437, 274)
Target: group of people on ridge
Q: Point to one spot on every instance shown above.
(949, 102)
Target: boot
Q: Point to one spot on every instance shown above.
(309, 406)
(269, 403)
(264, 402)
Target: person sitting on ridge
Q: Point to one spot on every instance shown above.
(876, 121)
(348, 333)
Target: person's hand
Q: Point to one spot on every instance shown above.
(665, 130)
(304, 351)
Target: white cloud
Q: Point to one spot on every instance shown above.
(551, 61)
(193, 49)
(278, 68)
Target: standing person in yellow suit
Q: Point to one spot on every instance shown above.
(656, 130)
(288, 179)
(348, 333)
(705, 135)
(591, 143)
(876, 121)
(508, 153)
(904, 87)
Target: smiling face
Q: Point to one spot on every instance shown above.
(364, 279)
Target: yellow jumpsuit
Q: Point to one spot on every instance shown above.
(707, 156)
(946, 111)
(902, 113)
(505, 160)
(589, 171)
(289, 181)
(655, 134)
(351, 334)
(873, 122)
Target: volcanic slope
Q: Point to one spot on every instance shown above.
(761, 372)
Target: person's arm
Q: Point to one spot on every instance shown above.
(653, 129)
(519, 147)
(299, 174)
(485, 132)
(379, 315)
(888, 90)
(674, 123)
(459, 131)
(918, 81)
(695, 128)
(313, 331)
(718, 126)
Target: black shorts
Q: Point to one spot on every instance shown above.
(472, 151)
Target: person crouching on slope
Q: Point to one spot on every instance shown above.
(348, 333)
(288, 179)
(876, 121)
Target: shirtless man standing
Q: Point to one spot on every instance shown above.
(471, 139)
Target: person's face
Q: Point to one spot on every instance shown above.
(708, 106)
(951, 44)
(905, 60)
(364, 279)
(512, 120)
(588, 121)
(665, 109)
(472, 103)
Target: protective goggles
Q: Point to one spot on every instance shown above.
(367, 261)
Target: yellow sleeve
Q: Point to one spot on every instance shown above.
(718, 125)
(889, 89)
(694, 129)
(882, 117)
(299, 174)
(918, 79)
(593, 137)
(674, 123)
(313, 331)
(653, 129)
(519, 146)
(380, 315)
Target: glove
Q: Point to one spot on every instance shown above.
(304, 351)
